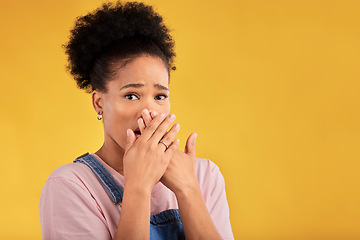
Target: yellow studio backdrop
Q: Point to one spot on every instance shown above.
(271, 87)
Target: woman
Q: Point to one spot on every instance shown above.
(123, 55)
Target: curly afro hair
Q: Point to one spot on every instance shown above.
(114, 32)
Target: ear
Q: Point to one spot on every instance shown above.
(97, 101)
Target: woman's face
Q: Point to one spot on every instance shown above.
(140, 84)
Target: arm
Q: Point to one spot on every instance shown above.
(135, 214)
(195, 216)
(213, 192)
(181, 179)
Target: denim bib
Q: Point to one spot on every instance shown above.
(164, 225)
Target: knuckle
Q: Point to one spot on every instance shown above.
(174, 130)
(172, 149)
(167, 138)
(159, 118)
(145, 148)
(162, 128)
(169, 121)
(156, 122)
(151, 127)
(152, 147)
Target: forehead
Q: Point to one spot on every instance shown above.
(146, 70)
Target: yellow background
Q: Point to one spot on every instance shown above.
(271, 87)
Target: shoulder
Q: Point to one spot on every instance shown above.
(70, 171)
(208, 175)
(206, 163)
(205, 168)
(71, 197)
(73, 182)
(72, 174)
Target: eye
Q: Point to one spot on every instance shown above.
(161, 97)
(131, 96)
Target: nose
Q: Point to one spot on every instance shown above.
(150, 105)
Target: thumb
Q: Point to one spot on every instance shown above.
(190, 144)
(130, 139)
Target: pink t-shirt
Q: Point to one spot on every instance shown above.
(74, 205)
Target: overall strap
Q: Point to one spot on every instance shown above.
(170, 215)
(111, 186)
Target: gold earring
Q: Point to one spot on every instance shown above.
(99, 116)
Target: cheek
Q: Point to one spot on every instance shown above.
(120, 117)
(167, 109)
(117, 119)
(162, 108)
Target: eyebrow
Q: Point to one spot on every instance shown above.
(161, 87)
(134, 85)
(139, 85)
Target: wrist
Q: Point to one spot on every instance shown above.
(188, 190)
(137, 189)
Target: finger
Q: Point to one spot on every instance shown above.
(130, 139)
(166, 146)
(173, 147)
(152, 127)
(171, 134)
(146, 116)
(190, 144)
(153, 114)
(141, 125)
(141, 122)
(162, 129)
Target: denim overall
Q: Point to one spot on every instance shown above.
(164, 225)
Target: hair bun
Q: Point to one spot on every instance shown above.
(95, 32)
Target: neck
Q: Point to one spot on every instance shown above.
(112, 154)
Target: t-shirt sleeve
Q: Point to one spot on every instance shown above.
(213, 187)
(68, 211)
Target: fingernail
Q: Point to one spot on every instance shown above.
(127, 132)
(172, 117)
(153, 114)
(162, 115)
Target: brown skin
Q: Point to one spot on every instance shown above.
(121, 109)
(141, 158)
